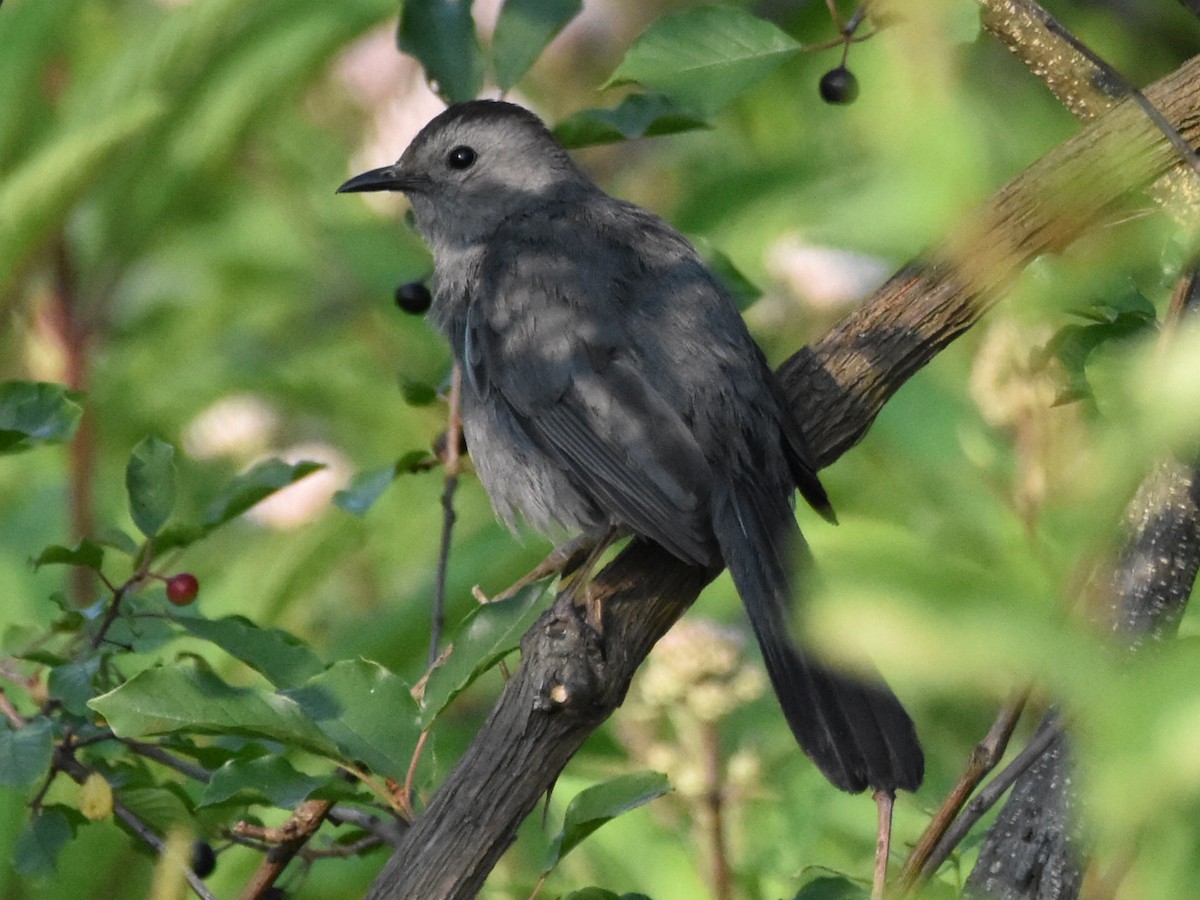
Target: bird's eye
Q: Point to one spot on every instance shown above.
(461, 157)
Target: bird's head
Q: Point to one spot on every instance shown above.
(472, 167)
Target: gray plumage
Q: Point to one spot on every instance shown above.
(609, 381)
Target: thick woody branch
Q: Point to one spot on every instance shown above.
(570, 680)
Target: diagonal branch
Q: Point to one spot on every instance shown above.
(570, 681)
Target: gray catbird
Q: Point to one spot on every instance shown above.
(609, 381)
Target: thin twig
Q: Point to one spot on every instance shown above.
(453, 466)
(10, 711)
(987, 753)
(714, 803)
(885, 800)
(289, 838)
(987, 798)
(159, 755)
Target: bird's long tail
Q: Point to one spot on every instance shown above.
(855, 730)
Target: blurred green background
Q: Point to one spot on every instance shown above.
(170, 243)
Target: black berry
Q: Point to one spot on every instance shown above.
(204, 859)
(413, 297)
(839, 86)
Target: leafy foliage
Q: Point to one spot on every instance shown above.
(171, 242)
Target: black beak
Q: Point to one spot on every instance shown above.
(384, 179)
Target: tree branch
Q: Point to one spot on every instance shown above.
(570, 680)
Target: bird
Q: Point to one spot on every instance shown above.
(610, 384)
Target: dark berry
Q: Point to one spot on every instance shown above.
(182, 588)
(439, 445)
(839, 86)
(413, 297)
(273, 893)
(204, 858)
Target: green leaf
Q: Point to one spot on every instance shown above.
(488, 634)
(638, 115)
(118, 540)
(269, 780)
(33, 413)
(594, 806)
(251, 487)
(418, 393)
(164, 807)
(162, 700)
(599, 893)
(832, 887)
(72, 684)
(740, 288)
(282, 658)
(441, 34)
(364, 489)
(36, 849)
(25, 753)
(150, 481)
(1072, 345)
(367, 487)
(85, 554)
(367, 710)
(523, 30)
(701, 58)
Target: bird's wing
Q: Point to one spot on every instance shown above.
(540, 339)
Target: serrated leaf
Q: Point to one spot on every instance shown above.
(25, 753)
(367, 710)
(282, 658)
(269, 780)
(488, 634)
(637, 116)
(253, 486)
(441, 35)
(71, 684)
(703, 57)
(33, 413)
(523, 30)
(36, 849)
(592, 807)
(150, 482)
(162, 700)
(85, 554)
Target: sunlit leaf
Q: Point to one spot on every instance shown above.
(256, 485)
(488, 634)
(162, 700)
(592, 807)
(703, 57)
(281, 657)
(441, 34)
(269, 779)
(33, 413)
(85, 553)
(367, 710)
(150, 481)
(523, 30)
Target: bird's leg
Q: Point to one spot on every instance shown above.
(564, 558)
(883, 843)
(581, 578)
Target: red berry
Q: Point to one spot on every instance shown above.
(182, 588)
